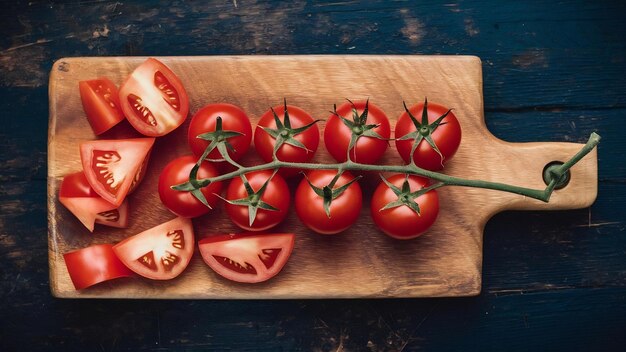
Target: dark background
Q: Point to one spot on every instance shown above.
(553, 71)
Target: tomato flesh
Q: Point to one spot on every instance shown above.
(113, 167)
(81, 200)
(160, 253)
(247, 258)
(100, 100)
(93, 265)
(153, 99)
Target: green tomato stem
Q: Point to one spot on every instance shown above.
(412, 169)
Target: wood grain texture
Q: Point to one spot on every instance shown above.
(447, 261)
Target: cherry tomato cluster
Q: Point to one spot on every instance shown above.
(328, 201)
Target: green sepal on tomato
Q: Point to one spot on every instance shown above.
(365, 136)
(328, 202)
(216, 123)
(429, 132)
(185, 203)
(288, 133)
(258, 200)
(404, 206)
(248, 258)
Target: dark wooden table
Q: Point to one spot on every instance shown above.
(552, 72)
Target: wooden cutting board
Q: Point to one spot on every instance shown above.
(362, 262)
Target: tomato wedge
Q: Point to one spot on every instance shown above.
(113, 167)
(79, 198)
(154, 99)
(248, 258)
(160, 253)
(95, 264)
(101, 103)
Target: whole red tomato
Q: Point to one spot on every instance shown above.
(276, 195)
(183, 203)
(233, 119)
(344, 209)
(402, 222)
(368, 149)
(446, 135)
(299, 144)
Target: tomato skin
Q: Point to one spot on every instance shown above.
(184, 203)
(101, 104)
(160, 253)
(233, 119)
(93, 265)
(153, 99)
(402, 222)
(80, 199)
(344, 210)
(114, 167)
(247, 249)
(337, 135)
(447, 137)
(276, 194)
(264, 142)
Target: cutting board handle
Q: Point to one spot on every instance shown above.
(525, 163)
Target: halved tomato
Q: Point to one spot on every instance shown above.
(249, 258)
(95, 264)
(115, 166)
(101, 103)
(154, 99)
(79, 198)
(160, 253)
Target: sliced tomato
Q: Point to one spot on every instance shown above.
(160, 253)
(114, 166)
(115, 217)
(79, 198)
(154, 99)
(95, 264)
(249, 258)
(101, 103)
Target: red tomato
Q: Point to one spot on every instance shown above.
(184, 203)
(160, 253)
(95, 264)
(276, 194)
(101, 103)
(115, 166)
(344, 210)
(310, 138)
(447, 137)
(233, 119)
(247, 258)
(154, 99)
(79, 198)
(402, 222)
(368, 149)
